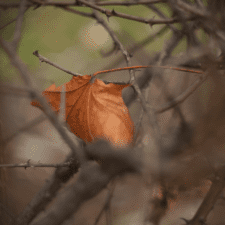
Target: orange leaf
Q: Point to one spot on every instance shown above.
(93, 110)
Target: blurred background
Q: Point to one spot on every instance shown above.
(79, 44)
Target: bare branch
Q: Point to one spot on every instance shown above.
(48, 191)
(11, 89)
(8, 24)
(33, 165)
(43, 59)
(200, 3)
(114, 37)
(109, 13)
(93, 178)
(90, 15)
(107, 202)
(155, 9)
(181, 98)
(6, 5)
(187, 7)
(218, 184)
(27, 126)
(19, 22)
(74, 146)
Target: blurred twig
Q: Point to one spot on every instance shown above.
(33, 165)
(19, 21)
(110, 13)
(107, 202)
(26, 127)
(93, 178)
(32, 3)
(182, 97)
(218, 184)
(48, 191)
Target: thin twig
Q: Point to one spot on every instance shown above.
(2, 27)
(138, 125)
(139, 45)
(155, 9)
(189, 8)
(27, 126)
(93, 179)
(12, 20)
(6, 5)
(151, 22)
(48, 191)
(182, 97)
(114, 37)
(19, 21)
(89, 15)
(33, 165)
(210, 199)
(107, 202)
(18, 91)
(169, 47)
(40, 201)
(43, 59)
(200, 3)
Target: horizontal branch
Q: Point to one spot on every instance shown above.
(107, 12)
(14, 90)
(151, 22)
(6, 5)
(32, 165)
(48, 191)
(92, 179)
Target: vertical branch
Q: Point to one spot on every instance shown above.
(62, 112)
(19, 21)
(74, 146)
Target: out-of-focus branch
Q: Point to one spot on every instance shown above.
(11, 89)
(156, 10)
(200, 3)
(2, 27)
(48, 191)
(110, 13)
(27, 126)
(74, 145)
(51, 115)
(32, 3)
(107, 202)
(92, 179)
(189, 8)
(133, 82)
(19, 21)
(114, 37)
(89, 15)
(33, 165)
(61, 175)
(218, 184)
(182, 97)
